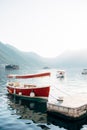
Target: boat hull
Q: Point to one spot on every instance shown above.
(30, 93)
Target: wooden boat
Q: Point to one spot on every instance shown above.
(30, 91)
(60, 74)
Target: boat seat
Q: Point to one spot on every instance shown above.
(11, 83)
(16, 84)
(28, 85)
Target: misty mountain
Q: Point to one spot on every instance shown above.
(69, 59)
(11, 55)
(72, 59)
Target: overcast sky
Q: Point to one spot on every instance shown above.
(47, 27)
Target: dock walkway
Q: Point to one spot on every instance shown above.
(73, 106)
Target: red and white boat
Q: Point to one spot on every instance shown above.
(29, 91)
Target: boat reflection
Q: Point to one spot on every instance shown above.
(26, 109)
(37, 112)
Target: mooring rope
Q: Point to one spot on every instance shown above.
(60, 91)
(53, 96)
(63, 91)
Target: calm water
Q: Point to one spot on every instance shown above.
(19, 114)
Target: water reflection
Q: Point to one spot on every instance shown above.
(37, 112)
(26, 109)
(65, 123)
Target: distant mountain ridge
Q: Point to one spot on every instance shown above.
(11, 55)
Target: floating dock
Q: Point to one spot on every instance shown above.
(72, 107)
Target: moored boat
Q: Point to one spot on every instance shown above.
(60, 74)
(84, 71)
(29, 91)
(10, 66)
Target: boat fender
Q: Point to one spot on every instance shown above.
(20, 93)
(32, 94)
(14, 91)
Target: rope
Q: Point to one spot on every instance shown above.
(63, 92)
(53, 96)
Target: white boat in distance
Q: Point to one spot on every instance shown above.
(60, 74)
(84, 71)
